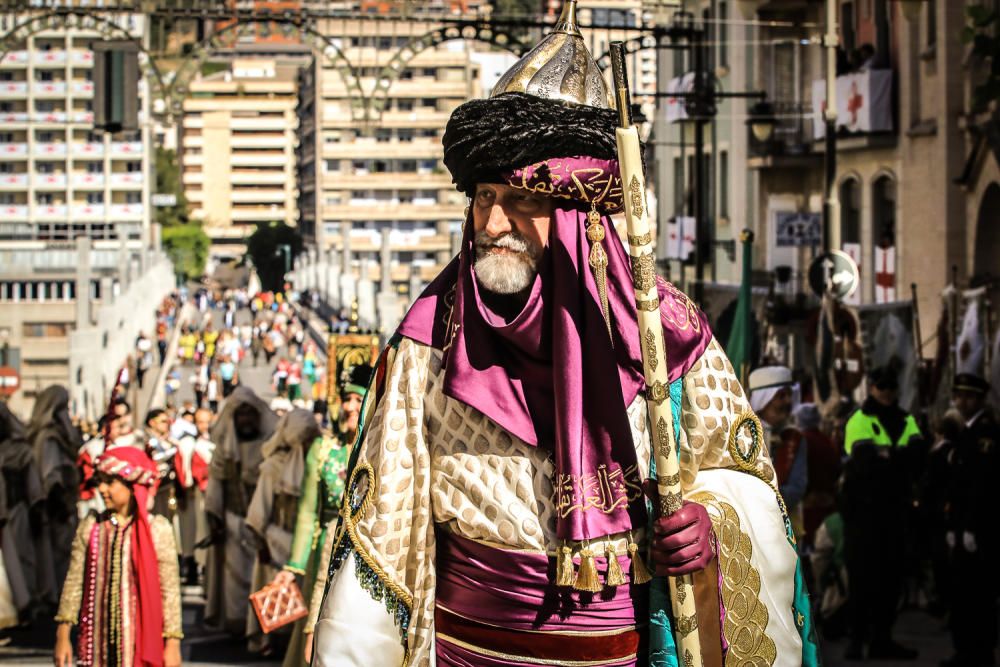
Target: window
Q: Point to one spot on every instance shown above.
(6, 168)
(850, 211)
(45, 106)
(429, 103)
(44, 74)
(133, 197)
(404, 105)
(931, 23)
(407, 165)
(95, 197)
(847, 26)
(45, 198)
(6, 107)
(46, 137)
(383, 135)
(133, 166)
(95, 167)
(45, 167)
(405, 136)
(6, 137)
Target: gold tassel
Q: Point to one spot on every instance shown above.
(564, 566)
(599, 261)
(615, 576)
(640, 574)
(586, 578)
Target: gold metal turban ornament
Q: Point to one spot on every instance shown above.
(559, 68)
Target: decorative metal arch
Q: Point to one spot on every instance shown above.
(81, 17)
(631, 46)
(321, 43)
(470, 31)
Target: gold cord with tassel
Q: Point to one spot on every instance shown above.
(599, 260)
(565, 576)
(640, 573)
(586, 578)
(615, 575)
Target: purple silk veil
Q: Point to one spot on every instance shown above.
(548, 375)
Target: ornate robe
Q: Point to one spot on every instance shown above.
(430, 466)
(100, 591)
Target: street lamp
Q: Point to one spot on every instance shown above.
(762, 122)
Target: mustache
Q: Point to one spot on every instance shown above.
(510, 241)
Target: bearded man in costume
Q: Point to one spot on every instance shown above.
(494, 514)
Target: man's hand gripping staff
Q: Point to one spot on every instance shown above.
(682, 532)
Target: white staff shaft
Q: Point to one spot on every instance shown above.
(654, 363)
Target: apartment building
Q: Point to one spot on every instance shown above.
(239, 136)
(359, 178)
(60, 181)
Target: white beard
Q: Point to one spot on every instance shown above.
(509, 272)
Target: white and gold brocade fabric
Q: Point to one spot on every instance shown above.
(438, 461)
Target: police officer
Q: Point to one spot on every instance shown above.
(972, 526)
(876, 496)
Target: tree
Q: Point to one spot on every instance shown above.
(264, 249)
(187, 246)
(168, 182)
(982, 33)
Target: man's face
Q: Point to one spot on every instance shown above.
(246, 421)
(968, 403)
(779, 407)
(202, 420)
(884, 394)
(160, 424)
(511, 229)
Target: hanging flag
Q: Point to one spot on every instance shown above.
(681, 234)
(739, 347)
(970, 348)
(885, 274)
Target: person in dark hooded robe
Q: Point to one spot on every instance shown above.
(244, 424)
(21, 505)
(56, 444)
(274, 507)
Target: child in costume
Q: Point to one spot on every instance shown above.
(123, 587)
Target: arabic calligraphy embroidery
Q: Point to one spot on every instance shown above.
(604, 490)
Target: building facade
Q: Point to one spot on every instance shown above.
(62, 182)
(238, 141)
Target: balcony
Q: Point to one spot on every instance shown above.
(15, 117)
(88, 211)
(82, 117)
(408, 181)
(388, 211)
(126, 149)
(418, 149)
(258, 214)
(88, 150)
(88, 181)
(14, 59)
(250, 178)
(50, 181)
(51, 211)
(50, 89)
(259, 160)
(13, 181)
(49, 59)
(126, 211)
(258, 195)
(82, 89)
(14, 211)
(44, 149)
(127, 180)
(82, 57)
(14, 150)
(13, 89)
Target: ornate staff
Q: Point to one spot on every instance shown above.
(654, 355)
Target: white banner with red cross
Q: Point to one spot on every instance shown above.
(864, 102)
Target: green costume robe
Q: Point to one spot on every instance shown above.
(322, 488)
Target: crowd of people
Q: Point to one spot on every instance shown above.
(890, 512)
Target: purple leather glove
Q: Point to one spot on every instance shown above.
(683, 543)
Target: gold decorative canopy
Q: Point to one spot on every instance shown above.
(559, 68)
